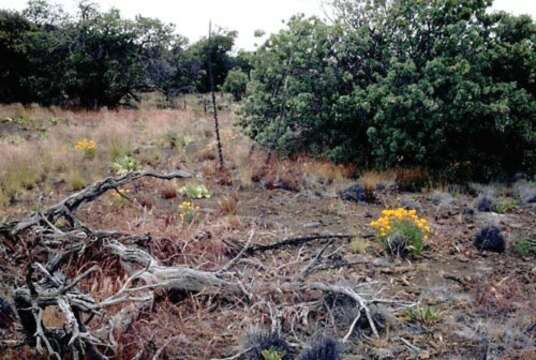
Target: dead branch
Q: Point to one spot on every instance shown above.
(315, 261)
(69, 205)
(158, 276)
(361, 301)
(295, 242)
(232, 263)
(54, 289)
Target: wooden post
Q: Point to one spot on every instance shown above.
(213, 93)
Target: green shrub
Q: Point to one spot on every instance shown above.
(441, 84)
(524, 247)
(272, 354)
(236, 83)
(426, 315)
(125, 164)
(195, 191)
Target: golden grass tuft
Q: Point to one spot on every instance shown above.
(325, 171)
(373, 179)
(228, 205)
(412, 179)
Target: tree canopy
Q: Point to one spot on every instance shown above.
(95, 58)
(444, 84)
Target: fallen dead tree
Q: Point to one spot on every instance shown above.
(55, 234)
(297, 241)
(169, 277)
(66, 208)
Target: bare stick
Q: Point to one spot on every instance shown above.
(295, 242)
(362, 303)
(231, 263)
(213, 94)
(306, 271)
(352, 327)
(69, 205)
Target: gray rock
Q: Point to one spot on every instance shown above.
(485, 202)
(440, 198)
(526, 191)
(409, 203)
(355, 193)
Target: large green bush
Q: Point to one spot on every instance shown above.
(236, 83)
(443, 84)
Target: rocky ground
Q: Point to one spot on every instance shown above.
(455, 301)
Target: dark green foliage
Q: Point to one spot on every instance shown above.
(217, 50)
(236, 83)
(14, 63)
(93, 58)
(441, 84)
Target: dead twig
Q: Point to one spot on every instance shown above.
(69, 205)
(308, 269)
(295, 242)
(231, 263)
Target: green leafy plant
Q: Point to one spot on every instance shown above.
(272, 354)
(505, 205)
(524, 247)
(427, 315)
(236, 83)
(390, 99)
(125, 164)
(195, 191)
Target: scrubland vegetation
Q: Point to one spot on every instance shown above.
(377, 199)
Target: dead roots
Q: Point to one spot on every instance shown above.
(56, 235)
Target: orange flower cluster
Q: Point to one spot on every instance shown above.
(384, 224)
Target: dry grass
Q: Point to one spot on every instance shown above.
(202, 325)
(412, 179)
(373, 179)
(43, 160)
(228, 204)
(326, 172)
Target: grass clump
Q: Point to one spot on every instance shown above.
(359, 245)
(411, 179)
(125, 164)
(75, 180)
(188, 212)
(505, 205)
(17, 177)
(178, 141)
(401, 231)
(195, 191)
(524, 246)
(272, 354)
(426, 315)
